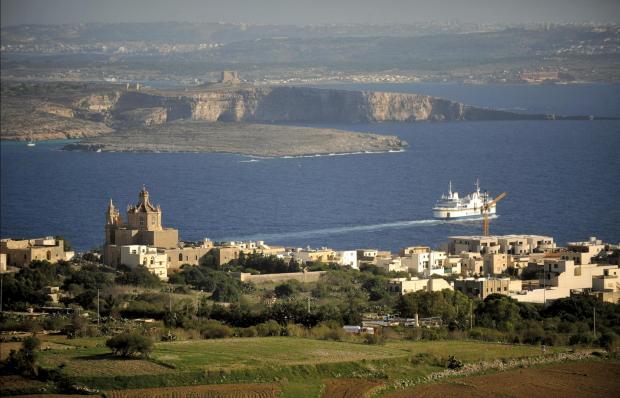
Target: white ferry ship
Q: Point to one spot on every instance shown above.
(451, 206)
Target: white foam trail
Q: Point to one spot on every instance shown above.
(356, 228)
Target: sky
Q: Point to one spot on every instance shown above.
(305, 12)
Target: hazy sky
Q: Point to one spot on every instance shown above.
(16, 12)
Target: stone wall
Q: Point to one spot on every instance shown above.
(304, 277)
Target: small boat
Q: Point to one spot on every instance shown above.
(31, 141)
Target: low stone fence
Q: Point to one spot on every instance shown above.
(312, 276)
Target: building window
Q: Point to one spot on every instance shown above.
(180, 256)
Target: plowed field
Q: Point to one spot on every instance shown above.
(349, 388)
(583, 380)
(210, 391)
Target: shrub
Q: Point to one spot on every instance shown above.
(324, 332)
(454, 363)
(610, 341)
(286, 289)
(215, 330)
(374, 339)
(580, 339)
(269, 328)
(434, 334)
(295, 330)
(250, 331)
(130, 344)
(486, 334)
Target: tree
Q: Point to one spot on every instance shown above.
(498, 311)
(138, 276)
(287, 289)
(24, 361)
(226, 291)
(130, 344)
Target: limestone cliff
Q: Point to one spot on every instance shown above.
(101, 110)
(307, 105)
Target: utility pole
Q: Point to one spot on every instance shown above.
(595, 323)
(308, 305)
(544, 286)
(1, 291)
(98, 314)
(471, 315)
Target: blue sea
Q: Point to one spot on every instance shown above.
(562, 179)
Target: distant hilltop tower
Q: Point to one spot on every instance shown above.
(229, 76)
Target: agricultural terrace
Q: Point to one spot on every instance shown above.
(295, 365)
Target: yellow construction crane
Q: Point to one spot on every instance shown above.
(485, 212)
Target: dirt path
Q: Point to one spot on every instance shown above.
(583, 380)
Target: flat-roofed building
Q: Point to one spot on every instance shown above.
(495, 263)
(565, 273)
(347, 258)
(390, 263)
(322, 255)
(409, 285)
(475, 244)
(406, 251)
(583, 252)
(24, 251)
(608, 282)
(562, 277)
(153, 259)
(366, 255)
(525, 244)
(471, 264)
(482, 287)
(426, 263)
(508, 244)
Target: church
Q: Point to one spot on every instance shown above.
(144, 228)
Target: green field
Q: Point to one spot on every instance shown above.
(297, 364)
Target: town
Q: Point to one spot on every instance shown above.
(172, 306)
(527, 268)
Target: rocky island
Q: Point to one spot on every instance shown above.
(235, 118)
(259, 140)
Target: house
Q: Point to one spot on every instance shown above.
(562, 277)
(583, 252)
(22, 252)
(347, 258)
(153, 259)
(408, 285)
(482, 287)
(425, 263)
(508, 244)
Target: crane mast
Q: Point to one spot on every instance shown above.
(485, 212)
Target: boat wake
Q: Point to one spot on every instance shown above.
(356, 228)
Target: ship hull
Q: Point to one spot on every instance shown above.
(459, 214)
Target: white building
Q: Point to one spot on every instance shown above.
(156, 262)
(426, 264)
(346, 258)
